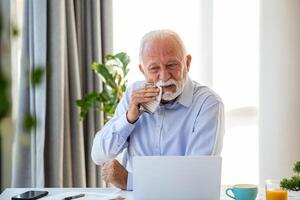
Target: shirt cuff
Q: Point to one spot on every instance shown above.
(124, 129)
(122, 125)
(129, 181)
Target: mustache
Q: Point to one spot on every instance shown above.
(166, 83)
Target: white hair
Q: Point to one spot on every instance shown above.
(160, 34)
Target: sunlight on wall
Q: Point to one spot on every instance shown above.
(235, 78)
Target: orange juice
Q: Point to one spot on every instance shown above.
(276, 195)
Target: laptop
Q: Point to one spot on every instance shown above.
(177, 177)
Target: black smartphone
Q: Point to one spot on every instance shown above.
(30, 195)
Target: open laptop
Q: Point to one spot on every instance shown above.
(177, 177)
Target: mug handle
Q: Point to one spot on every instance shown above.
(227, 190)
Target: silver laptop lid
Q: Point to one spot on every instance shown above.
(177, 177)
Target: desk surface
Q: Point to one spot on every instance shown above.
(9, 192)
(128, 195)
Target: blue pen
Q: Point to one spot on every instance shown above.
(74, 197)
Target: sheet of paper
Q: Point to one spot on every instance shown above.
(87, 196)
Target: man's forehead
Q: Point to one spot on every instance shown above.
(165, 49)
(165, 58)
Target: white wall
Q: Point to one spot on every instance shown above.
(279, 117)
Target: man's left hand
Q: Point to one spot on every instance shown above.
(114, 173)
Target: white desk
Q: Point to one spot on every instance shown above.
(9, 192)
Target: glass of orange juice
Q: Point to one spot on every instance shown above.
(274, 191)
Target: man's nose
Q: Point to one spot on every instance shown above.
(164, 75)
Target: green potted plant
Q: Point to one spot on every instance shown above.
(293, 184)
(113, 74)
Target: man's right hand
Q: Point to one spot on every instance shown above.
(142, 95)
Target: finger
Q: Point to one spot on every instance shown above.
(104, 164)
(108, 164)
(104, 168)
(141, 98)
(147, 88)
(145, 100)
(152, 89)
(145, 95)
(149, 84)
(104, 177)
(141, 92)
(115, 162)
(104, 171)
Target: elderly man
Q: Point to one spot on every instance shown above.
(188, 120)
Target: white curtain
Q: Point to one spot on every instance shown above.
(5, 117)
(62, 38)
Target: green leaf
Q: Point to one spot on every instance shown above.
(124, 58)
(80, 103)
(29, 122)
(123, 88)
(297, 167)
(117, 78)
(104, 96)
(126, 71)
(4, 100)
(109, 57)
(105, 75)
(37, 75)
(106, 109)
(87, 103)
(15, 31)
(97, 67)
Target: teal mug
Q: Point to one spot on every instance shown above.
(242, 192)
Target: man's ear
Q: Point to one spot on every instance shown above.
(142, 69)
(188, 62)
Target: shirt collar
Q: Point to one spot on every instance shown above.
(186, 97)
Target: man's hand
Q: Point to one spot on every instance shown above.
(142, 95)
(114, 173)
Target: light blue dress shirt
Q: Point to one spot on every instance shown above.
(192, 125)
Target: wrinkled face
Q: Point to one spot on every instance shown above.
(163, 63)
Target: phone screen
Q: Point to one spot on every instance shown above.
(30, 195)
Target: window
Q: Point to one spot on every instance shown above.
(235, 79)
(133, 18)
(234, 70)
